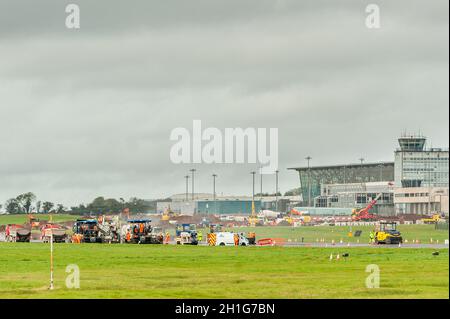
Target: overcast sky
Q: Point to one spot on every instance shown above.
(89, 112)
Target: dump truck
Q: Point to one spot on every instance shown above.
(140, 231)
(387, 233)
(227, 239)
(186, 234)
(17, 233)
(58, 232)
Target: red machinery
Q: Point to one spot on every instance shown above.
(363, 214)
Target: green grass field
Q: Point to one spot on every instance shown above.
(310, 234)
(22, 218)
(169, 271)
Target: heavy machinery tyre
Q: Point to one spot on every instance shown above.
(222, 244)
(243, 244)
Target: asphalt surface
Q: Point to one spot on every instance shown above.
(338, 245)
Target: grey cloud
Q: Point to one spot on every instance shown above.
(89, 112)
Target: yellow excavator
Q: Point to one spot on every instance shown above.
(167, 214)
(432, 220)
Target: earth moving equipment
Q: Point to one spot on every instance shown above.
(432, 220)
(33, 221)
(303, 217)
(227, 239)
(387, 233)
(167, 214)
(87, 231)
(186, 234)
(364, 214)
(59, 233)
(17, 233)
(140, 231)
(23, 235)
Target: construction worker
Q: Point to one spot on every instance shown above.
(167, 238)
(141, 228)
(200, 236)
(372, 237)
(128, 236)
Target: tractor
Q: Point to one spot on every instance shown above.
(387, 233)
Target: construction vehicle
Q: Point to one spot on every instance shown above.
(108, 227)
(58, 232)
(186, 234)
(432, 220)
(140, 231)
(87, 231)
(227, 239)
(33, 221)
(167, 214)
(253, 219)
(364, 213)
(387, 233)
(17, 233)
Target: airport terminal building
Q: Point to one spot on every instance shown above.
(348, 186)
(421, 177)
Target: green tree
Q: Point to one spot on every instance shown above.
(25, 201)
(47, 207)
(12, 206)
(60, 209)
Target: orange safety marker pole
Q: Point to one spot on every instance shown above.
(51, 255)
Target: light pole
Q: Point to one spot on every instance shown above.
(187, 187)
(276, 190)
(308, 158)
(253, 188)
(193, 171)
(361, 159)
(253, 193)
(261, 180)
(214, 192)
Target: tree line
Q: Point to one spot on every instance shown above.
(27, 203)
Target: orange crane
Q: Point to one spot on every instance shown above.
(364, 214)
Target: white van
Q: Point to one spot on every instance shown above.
(227, 239)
